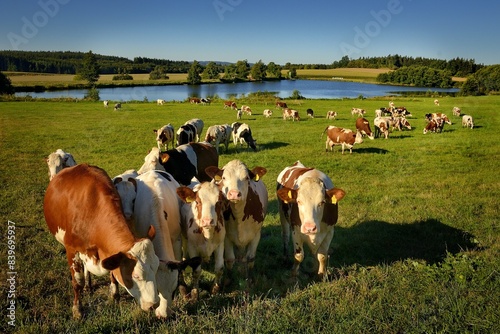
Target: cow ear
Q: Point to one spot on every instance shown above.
(186, 194)
(214, 172)
(155, 131)
(117, 180)
(164, 157)
(287, 195)
(257, 172)
(151, 232)
(113, 262)
(134, 182)
(335, 195)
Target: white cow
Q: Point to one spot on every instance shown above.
(436, 102)
(106, 103)
(246, 110)
(456, 111)
(160, 102)
(267, 113)
(165, 136)
(203, 229)
(219, 134)
(57, 161)
(126, 185)
(467, 121)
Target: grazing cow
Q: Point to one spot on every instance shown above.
(467, 121)
(310, 113)
(308, 204)
(403, 123)
(436, 102)
(280, 104)
(242, 133)
(358, 111)
(206, 101)
(363, 126)
(434, 125)
(246, 110)
(381, 126)
(331, 114)
(391, 104)
(267, 113)
(341, 136)
(106, 103)
(248, 199)
(59, 160)
(194, 100)
(118, 106)
(165, 135)
(82, 210)
(239, 113)
(291, 114)
(217, 134)
(438, 116)
(190, 131)
(456, 111)
(230, 104)
(203, 229)
(378, 113)
(160, 102)
(183, 162)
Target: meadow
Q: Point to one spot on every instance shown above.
(416, 247)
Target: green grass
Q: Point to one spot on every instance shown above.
(415, 249)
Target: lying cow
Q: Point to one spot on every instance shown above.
(341, 136)
(59, 160)
(165, 136)
(183, 162)
(307, 204)
(203, 229)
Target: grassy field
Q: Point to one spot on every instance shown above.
(416, 248)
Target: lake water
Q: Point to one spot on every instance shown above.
(311, 89)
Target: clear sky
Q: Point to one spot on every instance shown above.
(295, 31)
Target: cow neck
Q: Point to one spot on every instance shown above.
(117, 239)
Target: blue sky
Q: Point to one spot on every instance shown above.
(295, 31)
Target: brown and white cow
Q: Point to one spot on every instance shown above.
(331, 114)
(194, 100)
(307, 204)
(436, 102)
(246, 109)
(358, 111)
(467, 121)
(83, 211)
(456, 111)
(341, 136)
(291, 114)
(165, 136)
(183, 162)
(381, 126)
(230, 104)
(219, 134)
(267, 113)
(281, 104)
(190, 131)
(248, 200)
(434, 125)
(59, 160)
(363, 126)
(442, 116)
(203, 229)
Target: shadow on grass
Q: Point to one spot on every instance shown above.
(370, 150)
(376, 242)
(272, 145)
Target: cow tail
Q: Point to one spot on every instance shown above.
(321, 136)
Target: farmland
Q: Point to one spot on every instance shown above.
(415, 250)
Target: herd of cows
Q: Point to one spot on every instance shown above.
(180, 209)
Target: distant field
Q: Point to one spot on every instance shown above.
(416, 248)
(350, 74)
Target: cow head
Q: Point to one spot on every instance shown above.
(136, 271)
(151, 161)
(234, 178)
(311, 200)
(127, 189)
(206, 201)
(359, 138)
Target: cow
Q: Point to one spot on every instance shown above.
(203, 229)
(190, 131)
(307, 204)
(206, 101)
(331, 114)
(436, 102)
(194, 100)
(403, 123)
(467, 121)
(230, 104)
(341, 136)
(310, 113)
(291, 114)
(118, 106)
(106, 103)
(165, 136)
(239, 113)
(246, 109)
(242, 133)
(456, 111)
(248, 200)
(126, 185)
(438, 115)
(280, 104)
(183, 162)
(218, 134)
(381, 126)
(378, 113)
(160, 102)
(434, 125)
(363, 126)
(59, 160)
(267, 113)
(83, 211)
(358, 111)
(391, 104)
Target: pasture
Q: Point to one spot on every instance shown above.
(416, 247)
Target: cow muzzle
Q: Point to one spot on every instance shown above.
(234, 195)
(309, 228)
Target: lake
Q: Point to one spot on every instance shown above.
(311, 89)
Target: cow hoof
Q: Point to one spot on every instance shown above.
(194, 295)
(183, 291)
(215, 289)
(77, 312)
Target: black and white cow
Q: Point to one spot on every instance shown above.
(242, 133)
(165, 136)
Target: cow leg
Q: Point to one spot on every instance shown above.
(196, 283)
(322, 254)
(298, 257)
(219, 268)
(113, 288)
(228, 259)
(285, 230)
(88, 280)
(77, 281)
(250, 256)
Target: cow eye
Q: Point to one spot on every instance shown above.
(136, 277)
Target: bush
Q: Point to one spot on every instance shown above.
(123, 77)
(92, 94)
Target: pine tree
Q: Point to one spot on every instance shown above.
(194, 77)
(89, 70)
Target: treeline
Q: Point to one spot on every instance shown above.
(485, 81)
(420, 76)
